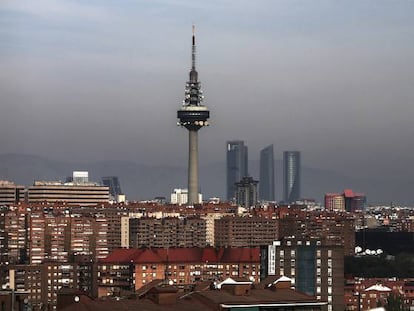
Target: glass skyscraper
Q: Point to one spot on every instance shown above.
(114, 186)
(236, 166)
(291, 176)
(267, 174)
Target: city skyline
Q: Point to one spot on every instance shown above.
(81, 81)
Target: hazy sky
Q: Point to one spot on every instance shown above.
(102, 80)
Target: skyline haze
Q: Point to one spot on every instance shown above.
(100, 81)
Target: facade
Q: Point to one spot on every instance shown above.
(179, 266)
(314, 269)
(237, 231)
(10, 193)
(41, 283)
(210, 219)
(193, 115)
(246, 192)
(39, 235)
(291, 176)
(180, 197)
(68, 193)
(334, 202)
(346, 201)
(354, 201)
(370, 293)
(329, 228)
(267, 175)
(16, 235)
(80, 177)
(167, 232)
(236, 165)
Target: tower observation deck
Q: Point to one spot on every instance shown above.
(193, 115)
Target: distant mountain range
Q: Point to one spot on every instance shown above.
(139, 181)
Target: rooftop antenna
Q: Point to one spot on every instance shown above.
(193, 51)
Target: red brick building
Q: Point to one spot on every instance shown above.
(372, 292)
(130, 269)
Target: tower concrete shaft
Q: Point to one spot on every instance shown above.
(193, 115)
(193, 166)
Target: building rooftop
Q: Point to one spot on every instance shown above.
(192, 254)
(236, 295)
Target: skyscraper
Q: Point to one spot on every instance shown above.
(114, 186)
(291, 176)
(193, 115)
(267, 174)
(237, 158)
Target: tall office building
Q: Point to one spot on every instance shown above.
(69, 193)
(291, 176)
(193, 115)
(267, 174)
(237, 164)
(10, 193)
(114, 186)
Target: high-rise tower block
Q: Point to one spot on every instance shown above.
(193, 115)
(291, 176)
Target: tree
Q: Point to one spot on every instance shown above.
(395, 303)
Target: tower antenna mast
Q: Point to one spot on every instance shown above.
(193, 115)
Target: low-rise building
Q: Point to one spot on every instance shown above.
(226, 295)
(130, 269)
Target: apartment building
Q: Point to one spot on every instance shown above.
(314, 268)
(43, 282)
(242, 231)
(329, 227)
(167, 232)
(130, 269)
